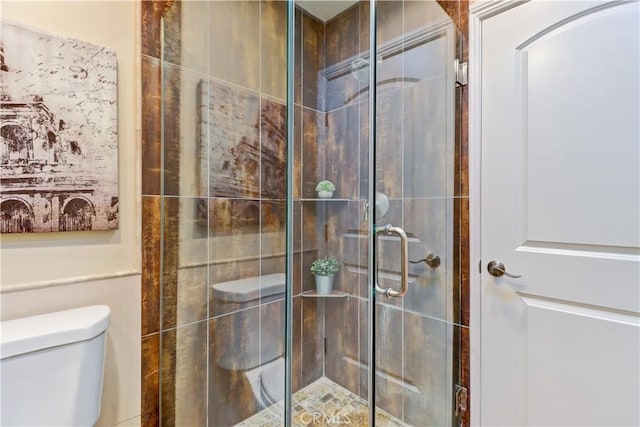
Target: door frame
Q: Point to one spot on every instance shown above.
(479, 11)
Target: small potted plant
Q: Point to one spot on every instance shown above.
(325, 189)
(324, 269)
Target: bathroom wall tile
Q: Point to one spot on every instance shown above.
(344, 87)
(452, 8)
(184, 297)
(272, 237)
(230, 395)
(364, 356)
(187, 41)
(313, 61)
(234, 247)
(464, 19)
(464, 365)
(461, 275)
(297, 248)
(354, 255)
(389, 350)
(342, 351)
(427, 361)
(152, 11)
(343, 151)
(337, 235)
(234, 218)
(172, 27)
(184, 375)
(458, 10)
(238, 24)
(365, 25)
(313, 152)
(462, 142)
(342, 36)
(389, 144)
(273, 149)
(273, 36)
(171, 138)
(296, 363)
(363, 174)
(390, 385)
(460, 172)
(312, 237)
(430, 223)
(151, 227)
(170, 262)
(151, 125)
(297, 57)
(297, 153)
(389, 21)
(192, 293)
(150, 380)
(232, 120)
(312, 340)
(185, 133)
(428, 155)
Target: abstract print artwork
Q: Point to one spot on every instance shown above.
(58, 133)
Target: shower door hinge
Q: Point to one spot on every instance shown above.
(461, 73)
(461, 400)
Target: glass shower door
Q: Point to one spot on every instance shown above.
(245, 336)
(415, 316)
(394, 189)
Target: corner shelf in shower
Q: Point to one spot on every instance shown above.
(333, 294)
(306, 199)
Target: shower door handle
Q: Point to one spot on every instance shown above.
(404, 261)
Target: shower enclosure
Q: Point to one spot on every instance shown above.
(260, 101)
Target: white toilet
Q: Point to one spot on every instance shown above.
(51, 368)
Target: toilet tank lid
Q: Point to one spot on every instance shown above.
(27, 334)
(248, 289)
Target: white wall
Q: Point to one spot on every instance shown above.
(53, 271)
(49, 257)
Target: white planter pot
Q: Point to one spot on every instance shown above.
(325, 194)
(324, 284)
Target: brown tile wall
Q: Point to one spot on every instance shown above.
(242, 227)
(198, 231)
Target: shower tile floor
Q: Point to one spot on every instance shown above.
(322, 403)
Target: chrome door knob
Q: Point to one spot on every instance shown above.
(497, 269)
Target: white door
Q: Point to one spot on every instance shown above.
(560, 206)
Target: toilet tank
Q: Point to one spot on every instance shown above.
(51, 368)
(239, 342)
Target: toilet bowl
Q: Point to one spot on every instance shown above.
(257, 352)
(51, 368)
